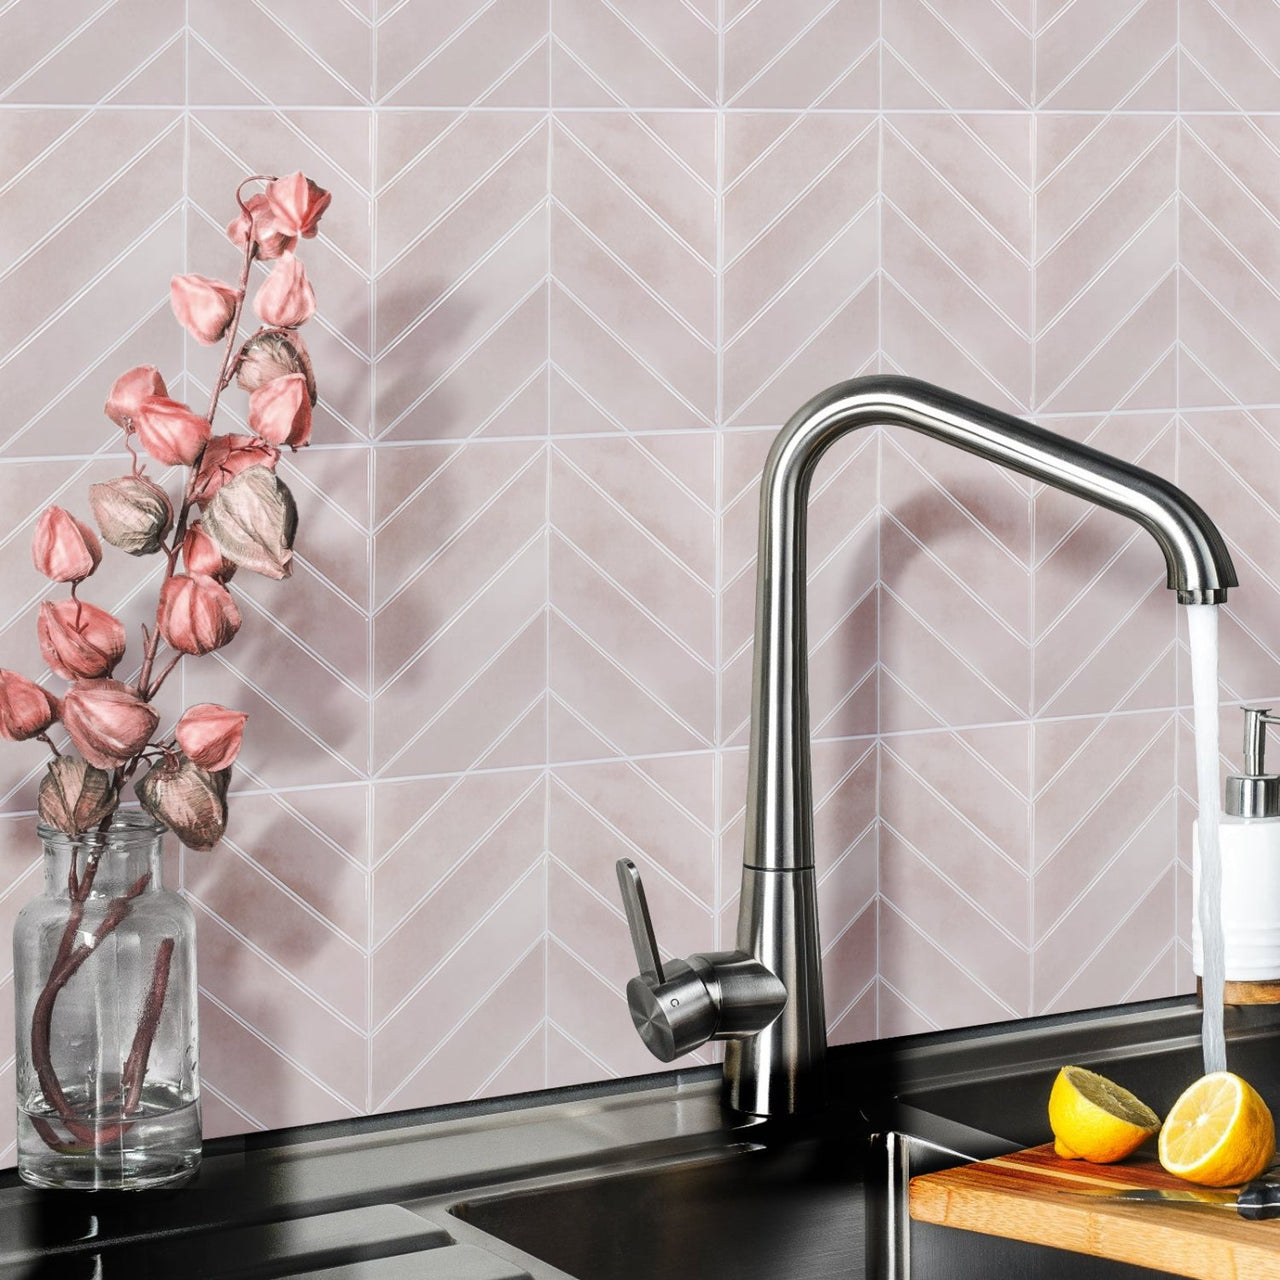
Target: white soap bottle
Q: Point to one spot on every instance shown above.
(1249, 840)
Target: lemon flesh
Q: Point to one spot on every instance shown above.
(1095, 1119)
(1219, 1133)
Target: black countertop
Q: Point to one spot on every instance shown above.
(376, 1198)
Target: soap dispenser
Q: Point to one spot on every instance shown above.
(1249, 840)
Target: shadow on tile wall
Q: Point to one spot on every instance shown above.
(583, 260)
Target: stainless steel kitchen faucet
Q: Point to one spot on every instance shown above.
(765, 997)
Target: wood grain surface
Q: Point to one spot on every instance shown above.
(1033, 1195)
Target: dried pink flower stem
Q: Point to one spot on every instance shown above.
(67, 962)
(230, 350)
(139, 403)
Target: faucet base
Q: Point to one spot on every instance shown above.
(780, 1069)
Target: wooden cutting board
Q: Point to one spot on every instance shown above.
(1025, 1196)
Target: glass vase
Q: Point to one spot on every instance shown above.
(105, 993)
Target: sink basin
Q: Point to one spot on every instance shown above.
(794, 1210)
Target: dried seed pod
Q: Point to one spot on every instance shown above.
(25, 708)
(108, 721)
(252, 521)
(79, 641)
(133, 513)
(196, 614)
(224, 458)
(267, 356)
(63, 548)
(190, 801)
(210, 735)
(74, 796)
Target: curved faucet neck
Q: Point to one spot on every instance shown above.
(779, 834)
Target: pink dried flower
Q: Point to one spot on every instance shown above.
(271, 241)
(210, 735)
(170, 432)
(252, 521)
(128, 392)
(204, 307)
(196, 614)
(25, 708)
(286, 298)
(133, 513)
(108, 721)
(268, 356)
(79, 641)
(226, 457)
(64, 548)
(200, 556)
(75, 797)
(297, 204)
(280, 411)
(189, 800)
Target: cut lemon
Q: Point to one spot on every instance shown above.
(1219, 1132)
(1093, 1118)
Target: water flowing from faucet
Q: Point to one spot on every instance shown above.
(1202, 625)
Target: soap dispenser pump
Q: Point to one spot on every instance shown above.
(1249, 840)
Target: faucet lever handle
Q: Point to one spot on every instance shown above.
(641, 923)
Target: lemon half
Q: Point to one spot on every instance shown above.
(1093, 1118)
(1220, 1132)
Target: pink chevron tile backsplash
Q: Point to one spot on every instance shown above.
(583, 260)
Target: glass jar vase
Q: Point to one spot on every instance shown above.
(105, 993)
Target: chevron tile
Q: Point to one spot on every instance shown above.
(281, 918)
(1229, 213)
(956, 253)
(1104, 884)
(497, 1050)
(482, 960)
(819, 53)
(660, 54)
(272, 1089)
(800, 259)
(263, 52)
(489, 53)
(461, 304)
(125, 52)
(1224, 461)
(81, 291)
(842, 548)
(955, 904)
(436, 836)
(632, 660)
(633, 272)
(1094, 56)
(1105, 280)
(460, 591)
(1104, 620)
(446, 851)
(955, 590)
(583, 260)
(957, 54)
(1230, 56)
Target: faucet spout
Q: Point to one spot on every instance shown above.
(776, 1034)
(778, 801)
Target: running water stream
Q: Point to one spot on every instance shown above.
(1202, 623)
